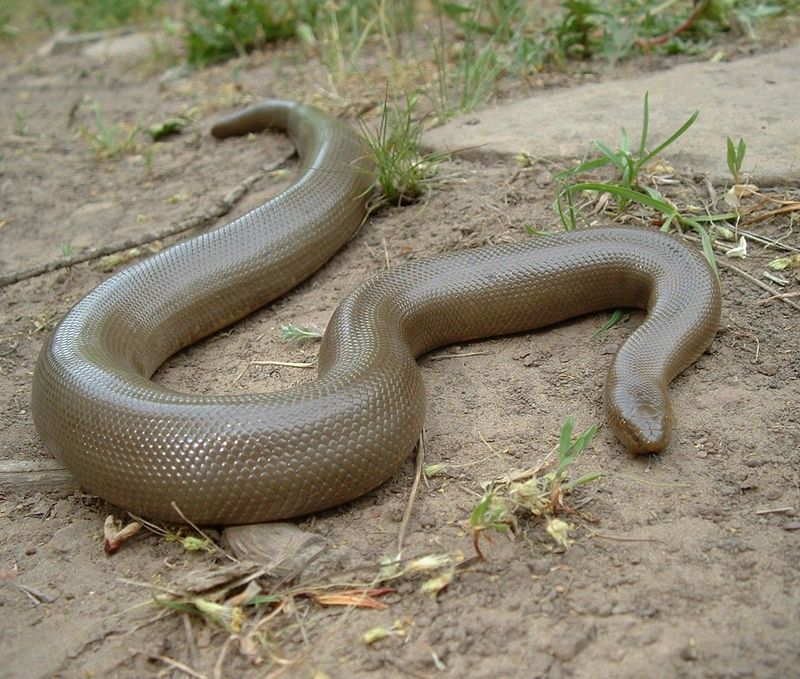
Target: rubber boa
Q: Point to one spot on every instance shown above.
(251, 458)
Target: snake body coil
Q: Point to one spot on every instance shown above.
(239, 459)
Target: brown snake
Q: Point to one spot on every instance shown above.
(240, 459)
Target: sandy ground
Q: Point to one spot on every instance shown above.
(684, 564)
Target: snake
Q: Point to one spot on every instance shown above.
(233, 459)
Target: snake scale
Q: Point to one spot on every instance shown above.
(250, 458)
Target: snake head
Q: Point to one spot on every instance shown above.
(640, 415)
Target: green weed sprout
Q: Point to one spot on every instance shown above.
(626, 188)
(109, 141)
(492, 513)
(541, 494)
(735, 158)
(299, 333)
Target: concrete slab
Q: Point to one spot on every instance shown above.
(757, 98)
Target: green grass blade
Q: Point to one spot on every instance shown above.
(566, 436)
(615, 318)
(731, 158)
(675, 135)
(705, 239)
(628, 194)
(645, 126)
(582, 481)
(584, 167)
(616, 159)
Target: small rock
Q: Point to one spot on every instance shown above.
(758, 462)
(175, 73)
(689, 652)
(605, 609)
(540, 566)
(566, 646)
(282, 548)
(792, 525)
(64, 42)
(768, 368)
(729, 396)
(126, 48)
(68, 539)
(30, 550)
(610, 348)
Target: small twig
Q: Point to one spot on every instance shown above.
(222, 207)
(386, 254)
(175, 664)
(786, 209)
(289, 577)
(777, 510)
(35, 595)
(756, 282)
(783, 295)
(285, 364)
(442, 357)
(413, 494)
(767, 242)
(191, 644)
(221, 658)
(621, 538)
(174, 505)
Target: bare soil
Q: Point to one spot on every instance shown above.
(684, 564)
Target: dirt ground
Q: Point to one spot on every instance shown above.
(684, 564)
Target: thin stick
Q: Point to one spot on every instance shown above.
(221, 658)
(791, 207)
(442, 357)
(174, 505)
(413, 494)
(284, 364)
(176, 664)
(386, 254)
(758, 283)
(191, 644)
(777, 510)
(223, 206)
(621, 538)
(783, 295)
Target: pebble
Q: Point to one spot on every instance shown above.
(768, 368)
(729, 396)
(689, 652)
(605, 609)
(566, 646)
(759, 462)
(69, 538)
(125, 48)
(610, 349)
(540, 566)
(64, 42)
(281, 547)
(30, 550)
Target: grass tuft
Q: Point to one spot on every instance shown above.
(109, 141)
(535, 493)
(628, 188)
(403, 175)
